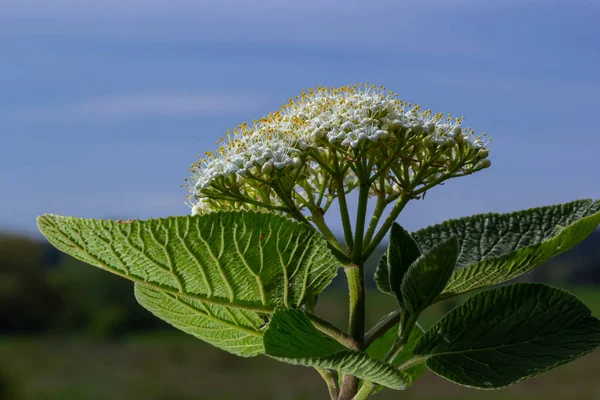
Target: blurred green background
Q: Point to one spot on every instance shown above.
(71, 331)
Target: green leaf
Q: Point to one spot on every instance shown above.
(428, 275)
(495, 248)
(379, 348)
(509, 334)
(215, 276)
(401, 253)
(292, 338)
(382, 276)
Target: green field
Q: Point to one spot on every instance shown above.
(172, 366)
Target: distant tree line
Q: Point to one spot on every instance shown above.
(44, 290)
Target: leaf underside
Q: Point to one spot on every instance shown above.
(292, 338)
(509, 334)
(495, 248)
(215, 276)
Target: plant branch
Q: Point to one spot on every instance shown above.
(339, 180)
(398, 207)
(379, 209)
(333, 332)
(382, 327)
(406, 328)
(331, 380)
(363, 199)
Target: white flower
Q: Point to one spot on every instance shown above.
(201, 207)
(333, 123)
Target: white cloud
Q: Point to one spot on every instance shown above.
(146, 104)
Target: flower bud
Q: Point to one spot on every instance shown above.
(267, 168)
(485, 163)
(483, 153)
(318, 133)
(449, 142)
(296, 162)
(394, 125)
(457, 130)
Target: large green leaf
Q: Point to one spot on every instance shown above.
(292, 338)
(495, 248)
(509, 334)
(380, 347)
(428, 275)
(215, 276)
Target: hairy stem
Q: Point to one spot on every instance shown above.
(356, 328)
(331, 380)
(330, 330)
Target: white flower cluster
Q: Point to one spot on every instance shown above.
(353, 120)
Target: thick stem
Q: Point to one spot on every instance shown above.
(356, 328)
(349, 387)
(356, 288)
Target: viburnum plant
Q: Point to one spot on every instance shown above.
(245, 270)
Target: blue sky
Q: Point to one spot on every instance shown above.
(104, 104)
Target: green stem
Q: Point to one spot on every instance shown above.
(406, 327)
(333, 332)
(361, 215)
(379, 209)
(356, 328)
(319, 221)
(398, 207)
(294, 212)
(356, 288)
(365, 391)
(339, 180)
(331, 379)
(382, 327)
